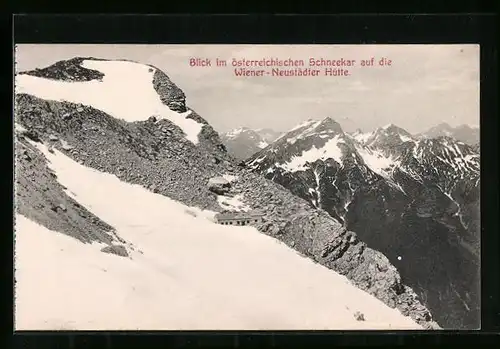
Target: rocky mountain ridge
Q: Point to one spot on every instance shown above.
(155, 153)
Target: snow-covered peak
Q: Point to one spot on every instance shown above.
(326, 128)
(126, 91)
(391, 128)
(330, 124)
(389, 134)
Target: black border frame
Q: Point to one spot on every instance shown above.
(293, 29)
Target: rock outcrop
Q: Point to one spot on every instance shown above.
(118, 250)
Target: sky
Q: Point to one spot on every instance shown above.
(425, 85)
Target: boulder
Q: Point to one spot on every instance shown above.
(219, 185)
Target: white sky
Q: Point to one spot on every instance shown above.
(426, 84)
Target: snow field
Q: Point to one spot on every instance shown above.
(192, 275)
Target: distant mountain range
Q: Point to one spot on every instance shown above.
(416, 199)
(464, 133)
(243, 142)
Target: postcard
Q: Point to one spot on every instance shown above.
(247, 187)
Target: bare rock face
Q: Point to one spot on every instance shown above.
(169, 93)
(173, 97)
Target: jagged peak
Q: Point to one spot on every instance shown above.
(392, 128)
(329, 124)
(329, 119)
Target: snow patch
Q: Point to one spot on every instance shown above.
(306, 132)
(126, 92)
(377, 161)
(303, 124)
(19, 127)
(329, 150)
(234, 203)
(262, 144)
(405, 138)
(362, 137)
(229, 178)
(318, 188)
(257, 161)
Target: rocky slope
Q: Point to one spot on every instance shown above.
(244, 142)
(157, 150)
(416, 201)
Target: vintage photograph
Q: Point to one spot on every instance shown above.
(246, 187)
